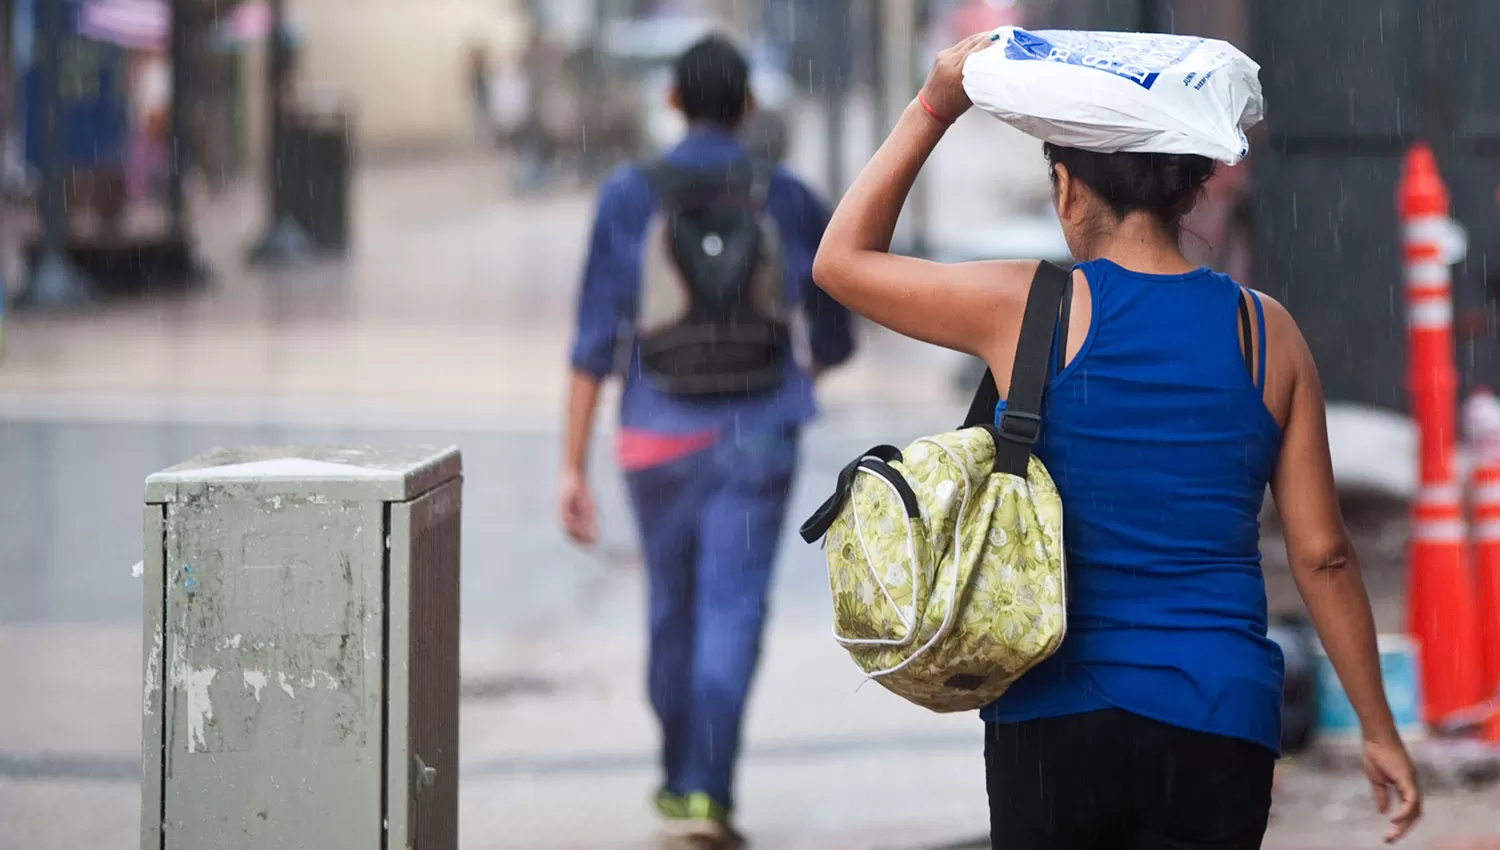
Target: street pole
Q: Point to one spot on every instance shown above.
(56, 284)
(179, 154)
(181, 151)
(834, 18)
(285, 242)
(880, 108)
(901, 76)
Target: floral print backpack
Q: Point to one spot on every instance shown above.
(946, 558)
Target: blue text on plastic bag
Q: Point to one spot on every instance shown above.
(1136, 60)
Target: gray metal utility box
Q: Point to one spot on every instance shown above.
(301, 640)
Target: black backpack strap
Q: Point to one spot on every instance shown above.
(762, 172)
(982, 408)
(987, 395)
(667, 181)
(679, 186)
(877, 460)
(1021, 423)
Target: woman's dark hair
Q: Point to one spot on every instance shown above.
(1166, 185)
(713, 82)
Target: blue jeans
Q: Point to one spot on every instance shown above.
(710, 524)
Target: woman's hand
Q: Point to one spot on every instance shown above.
(944, 91)
(1389, 768)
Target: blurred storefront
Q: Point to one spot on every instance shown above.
(403, 63)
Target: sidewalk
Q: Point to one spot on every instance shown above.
(829, 765)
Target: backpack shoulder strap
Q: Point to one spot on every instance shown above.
(762, 172)
(667, 181)
(677, 185)
(982, 408)
(1021, 424)
(987, 395)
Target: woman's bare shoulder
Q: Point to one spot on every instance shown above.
(1283, 335)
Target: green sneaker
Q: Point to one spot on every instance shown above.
(671, 806)
(704, 823)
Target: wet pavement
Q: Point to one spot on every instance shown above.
(553, 710)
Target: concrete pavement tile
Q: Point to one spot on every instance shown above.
(68, 815)
(70, 690)
(847, 802)
(1318, 810)
(592, 703)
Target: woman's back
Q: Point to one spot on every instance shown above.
(1161, 446)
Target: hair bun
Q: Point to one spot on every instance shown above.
(1165, 185)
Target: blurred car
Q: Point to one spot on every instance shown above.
(646, 48)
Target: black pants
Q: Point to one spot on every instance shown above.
(1116, 781)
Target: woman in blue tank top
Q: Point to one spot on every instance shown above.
(1184, 396)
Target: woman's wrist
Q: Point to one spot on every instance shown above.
(1380, 729)
(933, 112)
(917, 116)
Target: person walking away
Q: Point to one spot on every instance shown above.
(696, 266)
(1176, 398)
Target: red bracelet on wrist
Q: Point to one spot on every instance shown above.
(922, 99)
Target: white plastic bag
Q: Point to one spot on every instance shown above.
(1114, 91)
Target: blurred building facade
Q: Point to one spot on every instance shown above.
(401, 64)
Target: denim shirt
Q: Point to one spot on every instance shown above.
(611, 287)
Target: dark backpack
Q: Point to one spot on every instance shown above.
(712, 318)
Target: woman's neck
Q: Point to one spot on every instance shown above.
(1140, 243)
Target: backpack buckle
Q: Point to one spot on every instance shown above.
(1023, 428)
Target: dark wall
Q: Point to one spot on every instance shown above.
(1349, 86)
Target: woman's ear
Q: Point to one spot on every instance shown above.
(1063, 189)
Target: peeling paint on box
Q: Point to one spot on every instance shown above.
(321, 677)
(194, 684)
(153, 673)
(200, 706)
(255, 680)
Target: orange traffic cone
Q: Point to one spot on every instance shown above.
(1441, 606)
